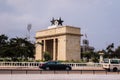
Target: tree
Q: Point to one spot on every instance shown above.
(21, 48)
(16, 48)
(40, 43)
(94, 56)
(110, 51)
(47, 56)
(117, 52)
(3, 40)
(87, 55)
(3, 45)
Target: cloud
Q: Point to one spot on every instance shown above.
(98, 18)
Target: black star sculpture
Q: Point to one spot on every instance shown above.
(60, 21)
(52, 21)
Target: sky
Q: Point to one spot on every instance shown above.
(98, 19)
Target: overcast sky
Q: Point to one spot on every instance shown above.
(99, 19)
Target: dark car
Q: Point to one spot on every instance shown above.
(54, 65)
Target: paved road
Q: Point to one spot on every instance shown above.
(59, 77)
(37, 71)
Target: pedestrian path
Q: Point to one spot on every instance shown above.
(58, 77)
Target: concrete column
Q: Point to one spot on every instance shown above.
(101, 57)
(38, 55)
(44, 49)
(40, 50)
(44, 46)
(54, 49)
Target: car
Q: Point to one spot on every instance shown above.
(54, 65)
(111, 64)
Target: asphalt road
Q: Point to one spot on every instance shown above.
(59, 77)
(38, 71)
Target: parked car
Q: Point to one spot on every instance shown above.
(54, 65)
(111, 64)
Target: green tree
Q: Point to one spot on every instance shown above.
(47, 56)
(117, 52)
(3, 40)
(3, 45)
(21, 48)
(16, 48)
(40, 43)
(110, 51)
(87, 55)
(94, 56)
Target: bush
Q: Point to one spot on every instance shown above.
(47, 56)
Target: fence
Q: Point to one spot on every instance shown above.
(36, 64)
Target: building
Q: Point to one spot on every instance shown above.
(62, 42)
(85, 46)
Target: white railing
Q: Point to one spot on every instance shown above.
(36, 64)
(19, 64)
(85, 65)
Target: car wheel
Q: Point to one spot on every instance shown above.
(114, 69)
(47, 68)
(67, 68)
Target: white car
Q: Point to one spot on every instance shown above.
(111, 64)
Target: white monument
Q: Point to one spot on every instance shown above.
(101, 57)
(62, 42)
